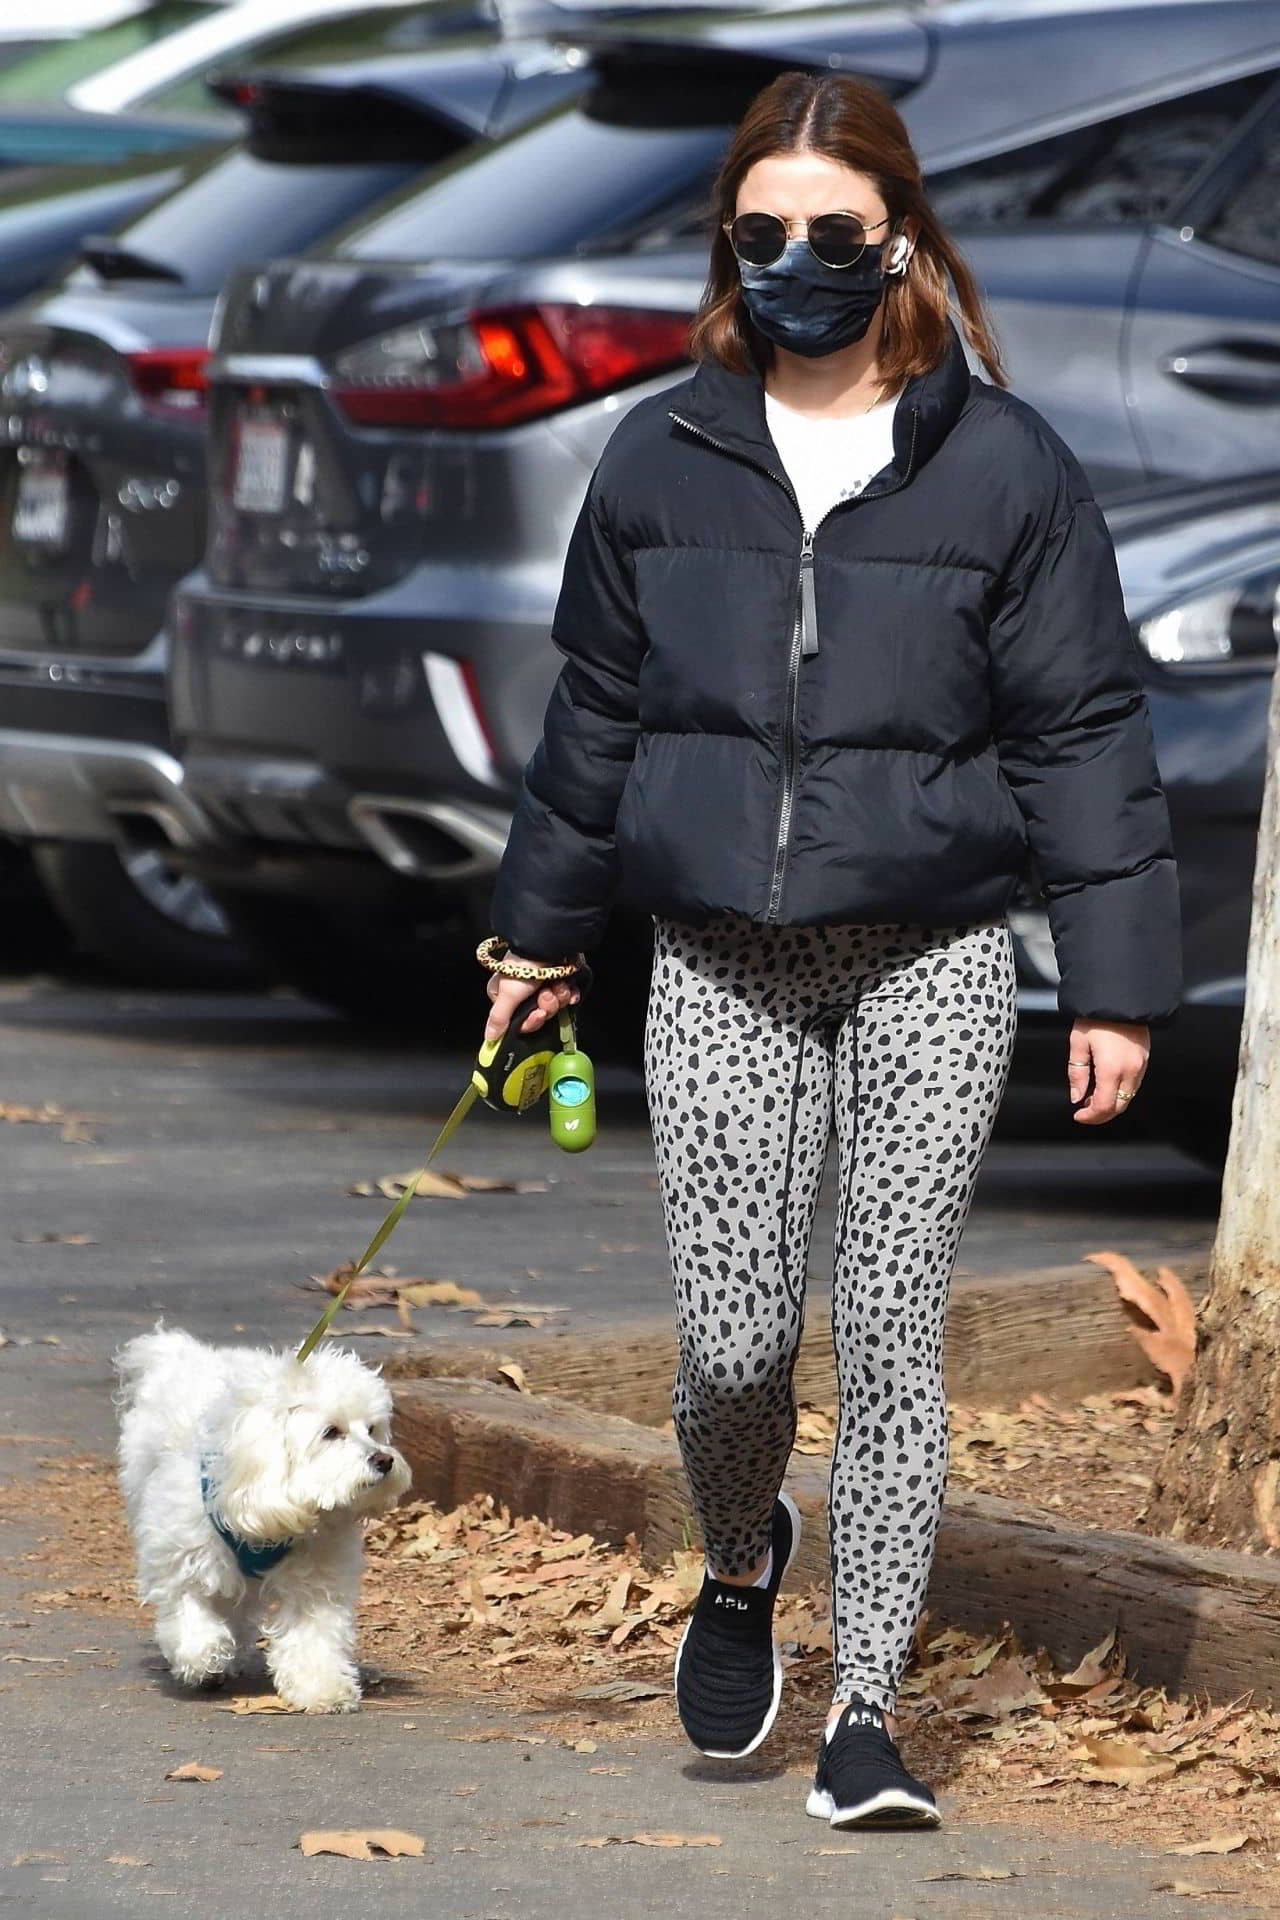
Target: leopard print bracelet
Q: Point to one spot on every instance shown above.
(522, 969)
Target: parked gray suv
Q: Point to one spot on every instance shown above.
(402, 430)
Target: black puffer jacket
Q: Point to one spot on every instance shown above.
(888, 727)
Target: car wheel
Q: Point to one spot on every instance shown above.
(407, 966)
(35, 937)
(1201, 1128)
(153, 925)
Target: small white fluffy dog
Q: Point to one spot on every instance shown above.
(247, 1474)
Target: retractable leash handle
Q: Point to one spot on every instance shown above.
(510, 1075)
(511, 1072)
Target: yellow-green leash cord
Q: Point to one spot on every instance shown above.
(478, 1088)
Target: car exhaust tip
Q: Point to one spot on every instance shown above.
(431, 839)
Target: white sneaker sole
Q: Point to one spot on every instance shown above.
(892, 1808)
(713, 1753)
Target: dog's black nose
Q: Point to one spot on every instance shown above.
(383, 1462)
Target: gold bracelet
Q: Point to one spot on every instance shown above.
(521, 969)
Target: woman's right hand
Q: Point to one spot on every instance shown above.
(507, 994)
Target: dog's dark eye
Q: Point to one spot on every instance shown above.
(332, 1433)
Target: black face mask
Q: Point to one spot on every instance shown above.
(809, 308)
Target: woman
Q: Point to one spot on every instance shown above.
(845, 650)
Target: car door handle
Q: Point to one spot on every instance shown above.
(1245, 373)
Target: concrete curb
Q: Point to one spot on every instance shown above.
(1193, 1619)
(1060, 1331)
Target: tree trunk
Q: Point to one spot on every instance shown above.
(1219, 1481)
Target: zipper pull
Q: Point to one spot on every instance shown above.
(808, 601)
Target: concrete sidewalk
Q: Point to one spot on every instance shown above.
(504, 1808)
(229, 1131)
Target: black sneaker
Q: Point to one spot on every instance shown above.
(728, 1670)
(861, 1780)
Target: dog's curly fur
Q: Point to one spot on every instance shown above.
(293, 1450)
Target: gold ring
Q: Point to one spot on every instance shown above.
(1077, 1063)
(1123, 1096)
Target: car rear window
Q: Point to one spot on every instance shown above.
(242, 205)
(570, 184)
(348, 36)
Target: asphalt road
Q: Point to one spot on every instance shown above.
(225, 1134)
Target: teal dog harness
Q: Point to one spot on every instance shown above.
(253, 1561)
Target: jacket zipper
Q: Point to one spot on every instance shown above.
(804, 636)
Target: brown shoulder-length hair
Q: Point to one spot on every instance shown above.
(852, 122)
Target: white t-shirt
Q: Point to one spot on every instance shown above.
(830, 460)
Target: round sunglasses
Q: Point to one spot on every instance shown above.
(836, 239)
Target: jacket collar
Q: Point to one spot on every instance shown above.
(728, 408)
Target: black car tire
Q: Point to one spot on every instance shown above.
(120, 915)
(392, 966)
(35, 937)
(1200, 1128)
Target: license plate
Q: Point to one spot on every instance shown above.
(42, 509)
(262, 461)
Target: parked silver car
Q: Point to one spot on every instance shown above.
(402, 430)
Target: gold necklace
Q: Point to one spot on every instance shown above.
(874, 402)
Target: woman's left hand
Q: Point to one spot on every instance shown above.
(1117, 1054)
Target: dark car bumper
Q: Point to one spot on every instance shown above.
(85, 753)
(399, 725)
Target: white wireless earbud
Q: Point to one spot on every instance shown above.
(899, 254)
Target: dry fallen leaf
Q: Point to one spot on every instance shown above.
(815, 1429)
(126, 1860)
(55, 1240)
(437, 1184)
(194, 1770)
(613, 1612)
(513, 1373)
(1007, 1686)
(75, 1126)
(674, 1840)
(1094, 1668)
(974, 1873)
(1122, 1763)
(360, 1843)
(1169, 1337)
(363, 1289)
(1219, 1843)
(438, 1293)
(255, 1703)
(515, 1316)
(1189, 1889)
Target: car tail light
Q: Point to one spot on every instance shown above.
(173, 379)
(502, 366)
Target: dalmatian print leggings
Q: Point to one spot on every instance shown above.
(756, 1038)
